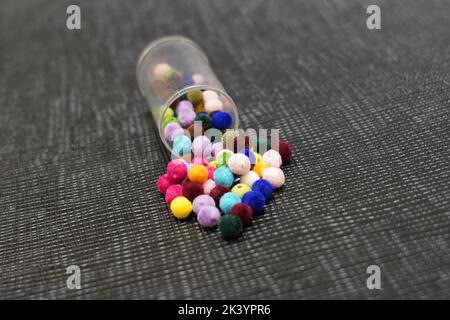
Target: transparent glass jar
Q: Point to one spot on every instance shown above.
(171, 67)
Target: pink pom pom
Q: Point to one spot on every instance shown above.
(173, 191)
(211, 172)
(176, 170)
(199, 160)
(163, 183)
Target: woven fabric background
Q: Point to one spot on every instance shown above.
(366, 111)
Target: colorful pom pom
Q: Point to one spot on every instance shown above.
(195, 96)
(230, 226)
(264, 187)
(186, 118)
(181, 207)
(202, 201)
(221, 120)
(181, 145)
(211, 171)
(184, 105)
(285, 150)
(160, 69)
(239, 164)
(223, 157)
(168, 113)
(243, 212)
(209, 94)
(208, 186)
(260, 167)
(173, 191)
(223, 177)
(168, 120)
(272, 158)
(176, 170)
(208, 216)
(255, 200)
(249, 178)
(163, 183)
(227, 201)
(240, 189)
(275, 176)
(198, 173)
(201, 146)
(205, 121)
(213, 105)
(217, 192)
(192, 190)
(250, 155)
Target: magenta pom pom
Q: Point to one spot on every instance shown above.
(163, 183)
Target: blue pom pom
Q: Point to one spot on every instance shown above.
(221, 120)
(227, 202)
(182, 145)
(264, 187)
(255, 200)
(249, 155)
(223, 176)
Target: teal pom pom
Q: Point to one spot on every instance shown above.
(227, 202)
(230, 226)
(182, 145)
(223, 176)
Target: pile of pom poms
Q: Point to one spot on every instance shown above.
(208, 108)
(228, 191)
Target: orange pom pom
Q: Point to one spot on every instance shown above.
(260, 167)
(198, 173)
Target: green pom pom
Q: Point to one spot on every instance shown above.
(205, 120)
(169, 73)
(230, 226)
(169, 113)
(229, 135)
(195, 96)
(166, 121)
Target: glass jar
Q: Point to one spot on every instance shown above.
(170, 68)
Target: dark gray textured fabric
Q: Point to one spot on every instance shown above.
(366, 111)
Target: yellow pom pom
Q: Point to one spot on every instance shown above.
(240, 189)
(181, 207)
(199, 108)
(258, 157)
(260, 167)
(198, 173)
(213, 164)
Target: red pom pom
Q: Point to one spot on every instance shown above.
(285, 150)
(217, 192)
(163, 183)
(243, 212)
(192, 190)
